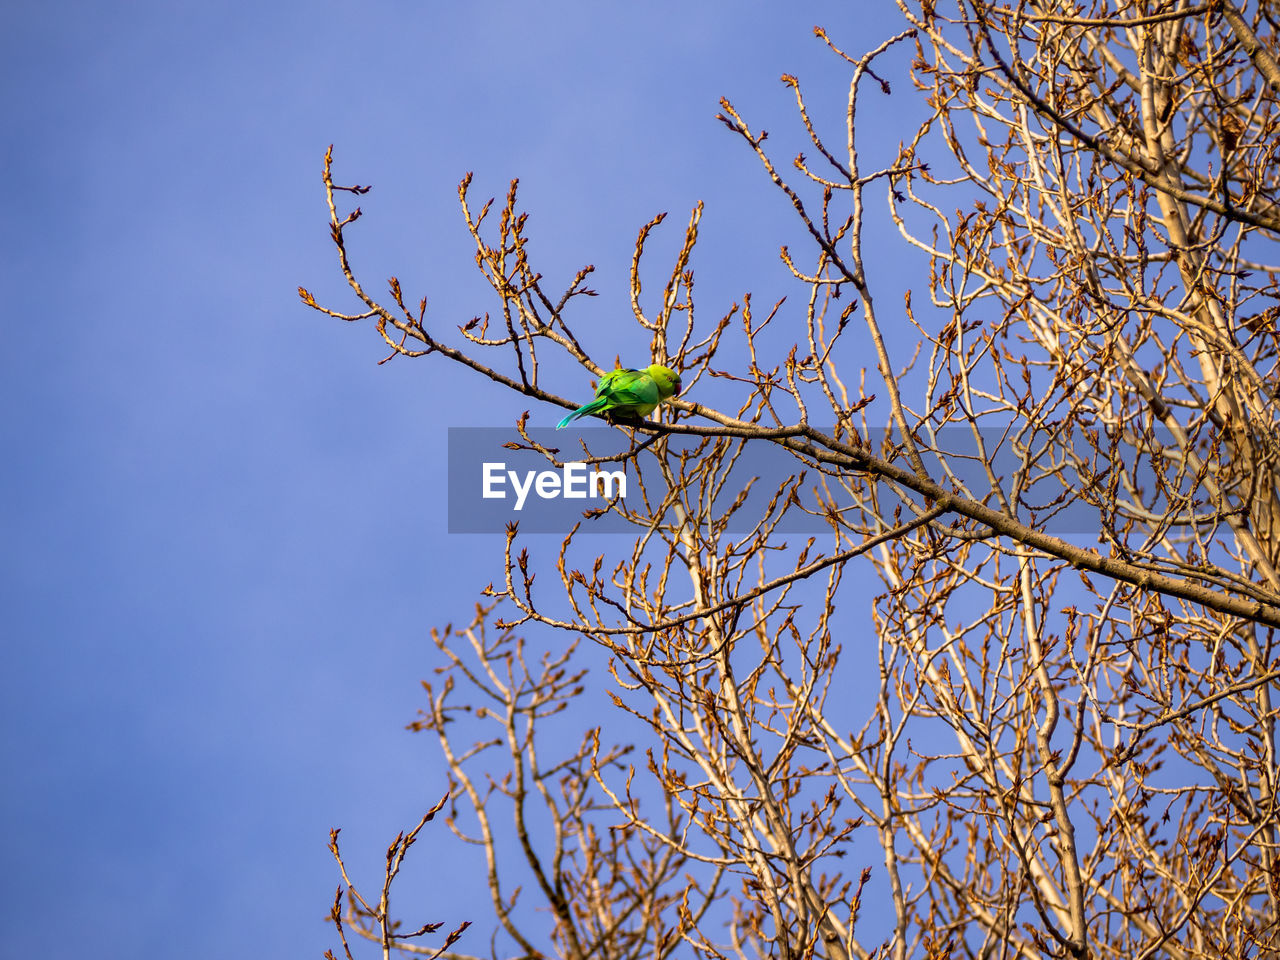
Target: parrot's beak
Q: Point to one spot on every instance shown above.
(676, 392)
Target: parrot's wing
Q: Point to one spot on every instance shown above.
(610, 381)
(633, 391)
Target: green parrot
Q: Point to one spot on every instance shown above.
(630, 393)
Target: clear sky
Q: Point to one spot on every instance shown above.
(224, 525)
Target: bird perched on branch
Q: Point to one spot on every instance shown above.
(629, 394)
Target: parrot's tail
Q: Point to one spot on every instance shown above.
(586, 410)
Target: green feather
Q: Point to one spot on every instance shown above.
(629, 393)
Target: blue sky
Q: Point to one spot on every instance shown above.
(225, 525)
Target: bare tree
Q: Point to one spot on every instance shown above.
(374, 921)
(1071, 749)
